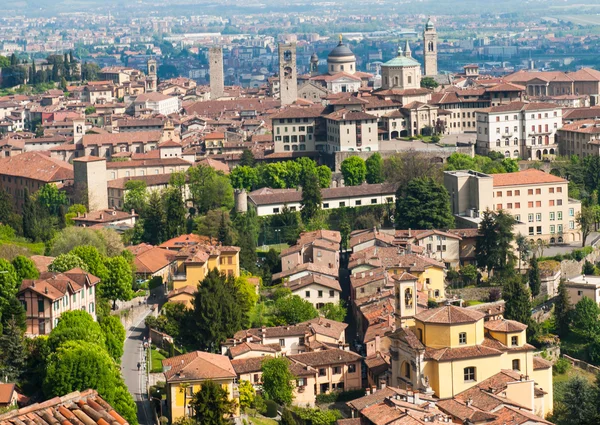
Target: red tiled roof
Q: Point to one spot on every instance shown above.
(197, 365)
(36, 166)
(525, 177)
(449, 314)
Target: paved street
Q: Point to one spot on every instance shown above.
(134, 379)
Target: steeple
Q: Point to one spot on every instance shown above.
(407, 51)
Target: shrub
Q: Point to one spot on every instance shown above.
(561, 366)
(432, 303)
(340, 396)
(271, 410)
(494, 295)
(435, 138)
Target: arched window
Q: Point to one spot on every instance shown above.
(506, 154)
(396, 81)
(408, 298)
(498, 142)
(507, 142)
(539, 140)
(409, 79)
(516, 153)
(407, 370)
(516, 141)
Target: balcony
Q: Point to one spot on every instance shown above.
(179, 277)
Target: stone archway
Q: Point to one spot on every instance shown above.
(394, 134)
(538, 154)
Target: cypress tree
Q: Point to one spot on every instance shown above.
(224, 233)
(535, 282)
(517, 299)
(154, 220)
(174, 213)
(29, 216)
(562, 310)
(311, 197)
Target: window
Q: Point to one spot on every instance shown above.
(559, 215)
(307, 294)
(571, 225)
(530, 191)
(499, 206)
(551, 202)
(499, 194)
(462, 338)
(538, 230)
(517, 205)
(514, 341)
(322, 372)
(538, 191)
(518, 217)
(538, 217)
(559, 190)
(351, 368)
(509, 206)
(337, 370)
(571, 212)
(517, 193)
(40, 305)
(531, 230)
(326, 205)
(331, 293)
(319, 294)
(275, 210)
(342, 204)
(282, 342)
(530, 204)
(551, 190)
(552, 229)
(516, 364)
(551, 216)
(373, 201)
(509, 193)
(469, 374)
(407, 370)
(301, 382)
(560, 228)
(559, 202)
(358, 203)
(538, 204)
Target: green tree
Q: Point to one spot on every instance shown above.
(6, 207)
(136, 196)
(13, 311)
(65, 262)
(25, 268)
(311, 197)
(354, 171)
(278, 381)
(247, 159)
(12, 351)
(273, 175)
(244, 177)
(588, 268)
(209, 189)
(210, 224)
(423, 194)
(212, 406)
(333, 311)
(93, 260)
(247, 394)
(586, 220)
(517, 299)
(428, 83)
(293, 309)
(70, 238)
(114, 333)
(523, 248)
(374, 166)
(73, 211)
(535, 281)
(29, 217)
(90, 110)
(76, 325)
(217, 311)
(224, 234)
(324, 175)
(493, 246)
(562, 310)
(117, 285)
(51, 198)
(247, 233)
(585, 319)
(9, 284)
(468, 274)
(174, 213)
(578, 404)
(154, 219)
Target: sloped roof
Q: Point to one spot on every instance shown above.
(449, 314)
(36, 166)
(316, 279)
(504, 325)
(197, 365)
(71, 409)
(525, 177)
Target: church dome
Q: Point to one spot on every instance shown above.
(429, 24)
(341, 50)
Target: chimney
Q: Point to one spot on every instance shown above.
(382, 384)
(46, 290)
(417, 398)
(409, 233)
(469, 402)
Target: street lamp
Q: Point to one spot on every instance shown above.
(277, 231)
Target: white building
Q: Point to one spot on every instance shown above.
(156, 103)
(316, 289)
(519, 130)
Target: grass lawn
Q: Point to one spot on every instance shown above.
(261, 420)
(559, 381)
(473, 302)
(156, 361)
(277, 247)
(33, 248)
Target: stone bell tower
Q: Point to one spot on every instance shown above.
(430, 49)
(288, 77)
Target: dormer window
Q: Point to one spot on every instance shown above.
(462, 338)
(514, 341)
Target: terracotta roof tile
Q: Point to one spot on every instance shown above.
(36, 166)
(197, 365)
(525, 177)
(325, 357)
(312, 278)
(504, 325)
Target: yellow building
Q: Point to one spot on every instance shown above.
(429, 272)
(451, 349)
(194, 262)
(185, 374)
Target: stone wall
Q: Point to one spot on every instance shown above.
(572, 268)
(438, 154)
(466, 294)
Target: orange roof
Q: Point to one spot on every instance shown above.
(525, 177)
